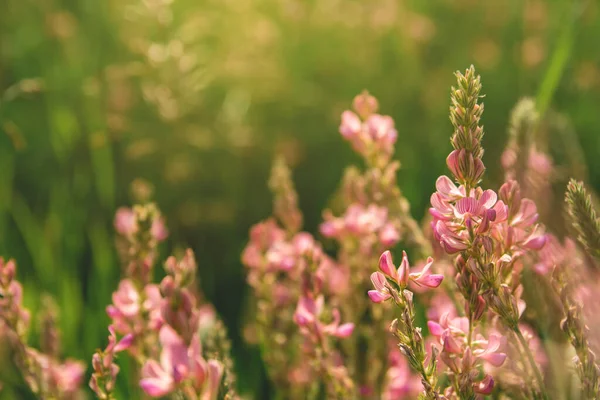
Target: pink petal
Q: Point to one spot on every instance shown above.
(453, 163)
(496, 359)
(403, 271)
(389, 235)
(435, 329)
(450, 345)
(488, 198)
(174, 350)
(386, 265)
(452, 245)
(501, 211)
(494, 343)
(350, 125)
(485, 386)
(155, 381)
(440, 205)
(125, 342)
(344, 330)
(535, 242)
(379, 281)
(446, 187)
(466, 205)
(378, 297)
(215, 373)
(430, 281)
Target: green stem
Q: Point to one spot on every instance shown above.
(534, 366)
(470, 334)
(527, 370)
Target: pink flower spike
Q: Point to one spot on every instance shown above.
(386, 265)
(426, 278)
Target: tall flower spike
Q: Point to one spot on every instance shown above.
(285, 198)
(523, 119)
(465, 113)
(583, 217)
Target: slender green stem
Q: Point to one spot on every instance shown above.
(527, 370)
(534, 366)
(470, 334)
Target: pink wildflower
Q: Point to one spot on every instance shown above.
(307, 316)
(179, 363)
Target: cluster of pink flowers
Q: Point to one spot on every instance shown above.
(313, 292)
(401, 276)
(368, 225)
(181, 366)
(462, 221)
(463, 358)
(400, 382)
(105, 369)
(161, 323)
(293, 273)
(372, 135)
(46, 375)
(140, 230)
(321, 311)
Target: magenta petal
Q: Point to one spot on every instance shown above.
(431, 281)
(386, 265)
(378, 297)
(379, 281)
(344, 330)
(446, 187)
(435, 329)
(215, 373)
(466, 205)
(452, 245)
(125, 342)
(488, 198)
(155, 381)
(154, 387)
(535, 242)
(350, 125)
(496, 359)
(485, 386)
(450, 345)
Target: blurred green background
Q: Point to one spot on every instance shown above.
(196, 97)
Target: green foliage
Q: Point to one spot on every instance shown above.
(583, 217)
